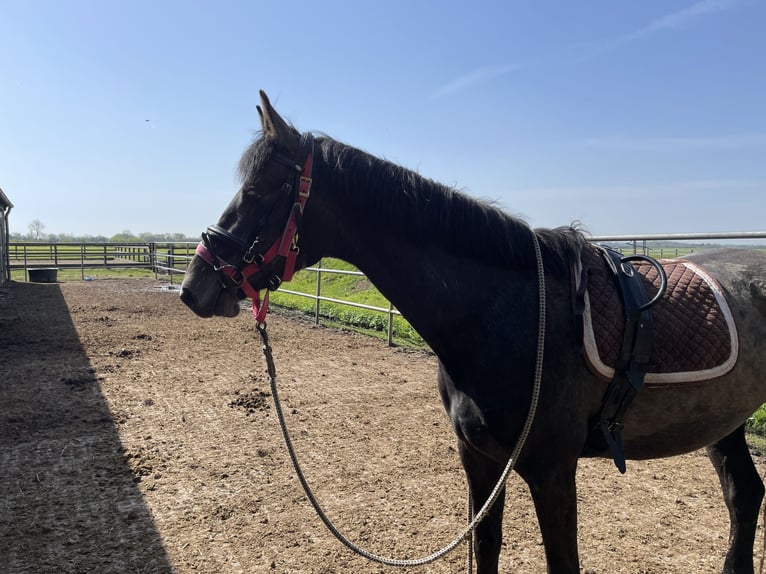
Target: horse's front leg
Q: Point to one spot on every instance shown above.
(482, 474)
(555, 496)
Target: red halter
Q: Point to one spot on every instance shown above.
(285, 245)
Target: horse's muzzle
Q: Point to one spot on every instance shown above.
(189, 300)
(203, 292)
(223, 305)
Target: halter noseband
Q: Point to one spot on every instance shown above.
(286, 245)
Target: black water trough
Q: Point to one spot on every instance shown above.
(43, 274)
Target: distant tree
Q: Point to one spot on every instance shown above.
(35, 228)
(124, 237)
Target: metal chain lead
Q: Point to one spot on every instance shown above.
(271, 369)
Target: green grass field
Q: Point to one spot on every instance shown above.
(756, 424)
(354, 288)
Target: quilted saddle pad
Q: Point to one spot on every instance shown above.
(694, 335)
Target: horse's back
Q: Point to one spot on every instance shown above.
(741, 273)
(737, 270)
(678, 417)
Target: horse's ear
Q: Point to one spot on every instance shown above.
(274, 126)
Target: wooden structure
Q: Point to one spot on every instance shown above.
(5, 209)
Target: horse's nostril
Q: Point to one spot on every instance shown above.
(187, 298)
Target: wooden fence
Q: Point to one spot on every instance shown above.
(162, 258)
(5, 209)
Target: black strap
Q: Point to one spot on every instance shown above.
(635, 352)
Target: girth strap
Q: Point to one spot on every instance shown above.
(635, 352)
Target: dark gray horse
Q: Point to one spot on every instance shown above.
(464, 275)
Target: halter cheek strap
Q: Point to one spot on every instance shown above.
(286, 246)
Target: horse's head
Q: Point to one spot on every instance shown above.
(254, 244)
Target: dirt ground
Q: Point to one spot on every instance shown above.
(137, 438)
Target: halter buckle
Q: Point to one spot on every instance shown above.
(274, 282)
(236, 277)
(252, 255)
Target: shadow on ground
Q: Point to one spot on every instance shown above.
(68, 501)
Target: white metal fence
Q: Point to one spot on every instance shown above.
(173, 259)
(319, 298)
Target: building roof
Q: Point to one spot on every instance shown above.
(4, 201)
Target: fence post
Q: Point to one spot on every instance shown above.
(153, 257)
(171, 261)
(26, 271)
(82, 261)
(390, 324)
(319, 291)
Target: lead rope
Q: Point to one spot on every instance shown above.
(271, 369)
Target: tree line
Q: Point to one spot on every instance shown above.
(35, 234)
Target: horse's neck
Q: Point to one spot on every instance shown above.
(452, 302)
(440, 293)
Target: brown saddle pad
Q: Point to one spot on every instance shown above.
(694, 335)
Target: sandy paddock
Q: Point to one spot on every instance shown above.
(137, 438)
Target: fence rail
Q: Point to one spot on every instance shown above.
(173, 259)
(319, 298)
(166, 258)
(641, 243)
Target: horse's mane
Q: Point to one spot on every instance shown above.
(383, 192)
(432, 212)
(254, 156)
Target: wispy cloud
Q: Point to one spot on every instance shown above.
(685, 16)
(671, 21)
(670, 144)
(475, 77)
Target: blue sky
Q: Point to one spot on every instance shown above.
(632, 117)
